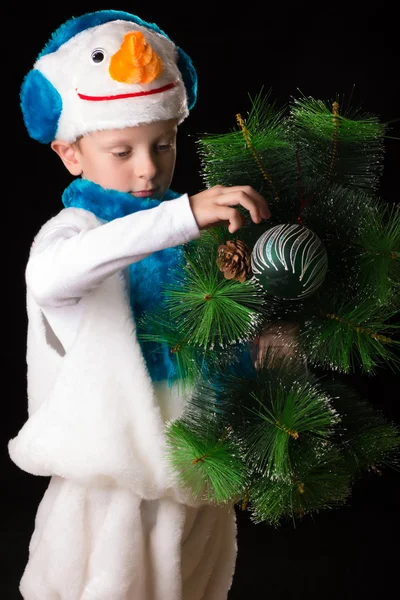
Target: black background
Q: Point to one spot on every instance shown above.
(323, 51)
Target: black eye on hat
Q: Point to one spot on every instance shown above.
(98, 55)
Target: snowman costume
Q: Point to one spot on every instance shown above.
(114, 524)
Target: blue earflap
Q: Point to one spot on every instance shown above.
(189, 76)
(41, 106)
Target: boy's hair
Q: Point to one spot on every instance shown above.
(106, 70)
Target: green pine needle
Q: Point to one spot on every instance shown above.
(333, 147)
(213, 311)
(348, 337)
(362, 238)
(314, 115)
(248, 157)
(379, 261)
(318, 481)
(284, 408)
(210, 466)
(158, 329)
(369, 441)
(227, 446)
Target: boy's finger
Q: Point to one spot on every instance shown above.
(253, 196)
(256, 205)
(232, 216)
(235, 198)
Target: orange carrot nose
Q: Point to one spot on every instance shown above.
(135, 61)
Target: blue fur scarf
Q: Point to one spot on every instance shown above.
(148, 276)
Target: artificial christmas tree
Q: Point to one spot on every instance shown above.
(283, 436)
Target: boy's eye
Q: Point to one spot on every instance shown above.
(121, 154)
(164, 147)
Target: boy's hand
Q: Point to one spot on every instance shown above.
(214, 207)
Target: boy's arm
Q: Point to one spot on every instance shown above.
(68, 261)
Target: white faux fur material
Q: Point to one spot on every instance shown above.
(94, 414)
(75, 76)
(114, 523)
(106, 543)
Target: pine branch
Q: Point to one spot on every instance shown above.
(190, 361)
(275, 440)
(369, 441)
(335, 148)
(362, 238)
(283, 405)
(346, 336)
(379, 261)
(203, 450)
(319, 481)
(212, 311)
(278, 442)
(208, 466)
(256, 153)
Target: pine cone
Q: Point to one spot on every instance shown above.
(234, 260)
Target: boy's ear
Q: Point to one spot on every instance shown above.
(68, 154)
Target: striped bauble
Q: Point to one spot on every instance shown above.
(289, 261)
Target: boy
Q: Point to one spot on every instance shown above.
(107, 93)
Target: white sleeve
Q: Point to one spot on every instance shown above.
(67, 263)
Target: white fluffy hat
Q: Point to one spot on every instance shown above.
(106, 70)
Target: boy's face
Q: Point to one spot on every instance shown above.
(139, 160)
